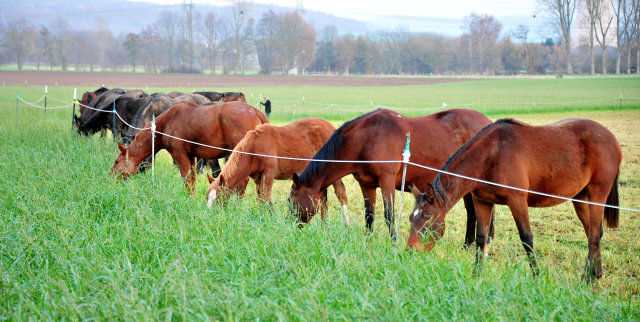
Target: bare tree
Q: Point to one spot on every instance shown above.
(480, 42)
(328, 38)
(211, 31)
(394, 43)
(132, 46)
(347, 47)
(622, 11)
(103, 39)
(150, 46)
(288, 41)
(238, 17)
(563, 12)
(590, 14)
(225, 43)
(60, 32)
(307, 43)
(266, 38)
(636, 31)
(602, 29)
(168, 24)
(522, 34)
(20, 37)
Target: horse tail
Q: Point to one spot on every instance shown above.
(262, 117)
(612, 215)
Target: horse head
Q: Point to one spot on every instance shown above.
(122, 166)
(424, 219)
(304, 200)
(215, 190)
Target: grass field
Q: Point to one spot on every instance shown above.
(77, 244)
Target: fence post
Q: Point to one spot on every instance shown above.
(75, 91)
(406, 154)
(17, 103)
(302, 101)
(153, 150)
(114, 121)
(45, 99)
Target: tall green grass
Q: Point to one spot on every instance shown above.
(75, 243)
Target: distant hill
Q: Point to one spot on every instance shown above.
(126, 16)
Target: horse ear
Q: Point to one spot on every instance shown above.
(430, 193)
(210, 178)
(296, 179)
(121, 147)
(222, 180)
(416, 192)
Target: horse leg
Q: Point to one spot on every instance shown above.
(470, 236)
(215, 167)
(520, 212)
(200, 165)
(591, 217)
(341, 193)
(483, 216)
(187, 169)
(387, 186)
(323, 204)
(369, 195)
(266, 183)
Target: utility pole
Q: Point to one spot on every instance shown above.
(300, 8)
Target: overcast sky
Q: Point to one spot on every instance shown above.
(366, 10)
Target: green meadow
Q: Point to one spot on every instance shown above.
(78, 244)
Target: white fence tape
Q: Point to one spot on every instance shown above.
(374, 161)
(42, 107)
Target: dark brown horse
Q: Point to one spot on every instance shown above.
(87, 97)
(573, 158)
(380, 135)
(101, 101)
(300, 139)
(218, 125)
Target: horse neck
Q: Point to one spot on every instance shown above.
(140, 148)
(332, 172)
(469, 163)
(236, 170)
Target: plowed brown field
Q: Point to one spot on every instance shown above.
(90, 79)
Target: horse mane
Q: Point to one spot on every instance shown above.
(438, 188)
(232, 165)
(328, 151)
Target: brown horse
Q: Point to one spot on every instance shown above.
(218, 125)
(380, 135)
(573, 158)
(300, 139)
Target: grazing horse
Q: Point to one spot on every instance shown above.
(218, 125)
(574, 158)
(300, 139)
(380, 135)
(101, 101)
(87, 97)
(127, 107)
(233, 96)
(212, 96)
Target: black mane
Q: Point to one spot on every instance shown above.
(328, 151)
(438, 188)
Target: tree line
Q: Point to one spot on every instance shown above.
(199, 42)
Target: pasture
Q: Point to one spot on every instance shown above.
(76, 243)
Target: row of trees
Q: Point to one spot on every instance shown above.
(196, 42)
